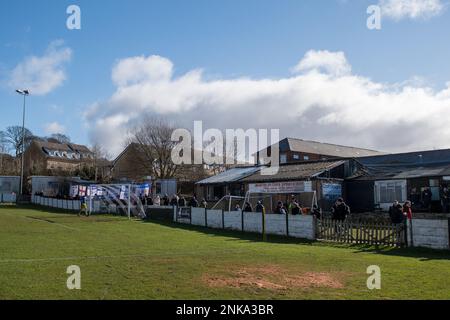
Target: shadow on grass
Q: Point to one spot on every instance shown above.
(232, 234)
(423, 254)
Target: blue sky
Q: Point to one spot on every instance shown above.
(228, 40)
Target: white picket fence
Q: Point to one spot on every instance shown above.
(297, 226)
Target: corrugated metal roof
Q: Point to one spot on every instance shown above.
(422, 172)
(232, 175)
(404, 172)
(296, 171)
(328, 149)
(421, 158)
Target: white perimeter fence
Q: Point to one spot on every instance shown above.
(298, 226)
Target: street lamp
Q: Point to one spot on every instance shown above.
(24, 93)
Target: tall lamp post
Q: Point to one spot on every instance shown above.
(24, 93)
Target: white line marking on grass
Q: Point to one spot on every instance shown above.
(188, 253)
(51, 222)
(70, 258)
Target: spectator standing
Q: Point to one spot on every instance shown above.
(204, 203)
(427, 195)
(260, 207)
(340, 210)
(280, 209)
(407, 210)
(396, 213)
(446, 199)
(174, 201)
(248, 207)
(296, 209)
(165, 200)
(194, 202)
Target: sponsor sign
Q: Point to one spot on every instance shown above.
(281, 187)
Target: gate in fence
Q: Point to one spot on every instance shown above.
(379, 233)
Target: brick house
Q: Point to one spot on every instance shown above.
(49, 158)
(297, 150)
(8, 164)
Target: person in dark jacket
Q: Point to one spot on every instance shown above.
(296, 209)
(427, 196)
(340, 210)
(317, 212)
(260, 207)
(165, 200)
(396, 213)
(248, 207)
(174, 201)
(280, 209)
(194, 202)
(182, 202)
(445, 197)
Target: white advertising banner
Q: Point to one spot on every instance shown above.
(281, 187)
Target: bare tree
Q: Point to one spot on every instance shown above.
(152, 137)
(100, 162)
(59, 138)
(3, 149)
(13, 138)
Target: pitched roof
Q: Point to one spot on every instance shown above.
(65, 151)
(328, 149)
(232, 175)
(52, 145)
(430, 157)
(298, 171)
(401, 172)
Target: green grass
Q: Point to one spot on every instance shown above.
(121, 259)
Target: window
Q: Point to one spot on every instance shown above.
(283, 158)
(306, 158)
(296, 157)
(389, 191)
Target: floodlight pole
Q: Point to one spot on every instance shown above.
(24, 93)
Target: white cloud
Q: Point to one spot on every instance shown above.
(413, 9)
(142, 69)
(331, 62)
(54, 127)
(324, 102)
(43, 74)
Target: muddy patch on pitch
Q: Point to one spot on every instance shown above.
(273, 278)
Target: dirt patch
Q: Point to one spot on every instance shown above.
(274, 278)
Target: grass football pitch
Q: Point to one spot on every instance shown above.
(122, 259)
